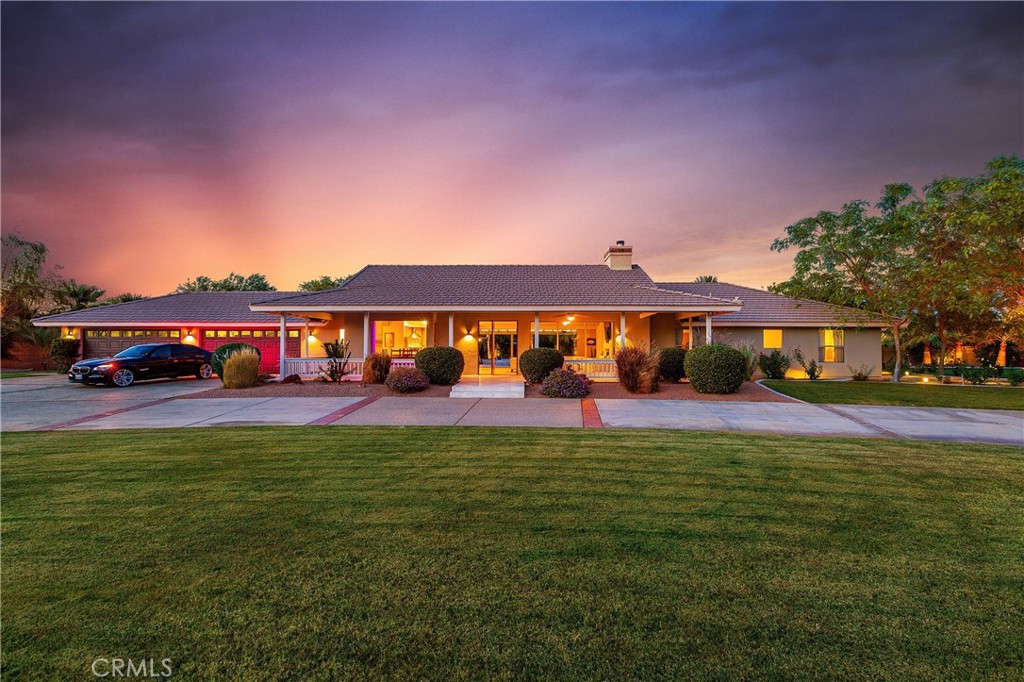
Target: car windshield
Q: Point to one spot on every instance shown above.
(135, 352)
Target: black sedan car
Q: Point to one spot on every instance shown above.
(145, 361)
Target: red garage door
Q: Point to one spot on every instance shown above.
(266, 340)
(103, 343)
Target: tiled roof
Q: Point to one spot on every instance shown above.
(499, 286)
(199, 307)
(761, 306)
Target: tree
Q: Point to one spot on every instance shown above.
(126, 297)
(70, 295)
(323, 283)
(705, 279)
(872, 255)
(26, 287)
(233, 282)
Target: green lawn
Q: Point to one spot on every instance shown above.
(470, 553)
(17, 374)
(920, 395)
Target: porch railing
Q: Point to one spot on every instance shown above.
(310, 367)
(600, 368)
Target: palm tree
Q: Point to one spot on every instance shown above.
(706, 279)
(70, 295)
(126, 297)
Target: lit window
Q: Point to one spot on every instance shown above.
(257, 333)
(831, 345)
(209, 333)
(233, 333)
(116, 334)
(293, 333)
(175, 334)
(246, 332)
(91, 334)
(139, 332)
(772, 338)
(162, 333)
(221, 333)
(270, 335)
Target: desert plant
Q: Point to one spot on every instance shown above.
(862, 372)
(774, 365)
(241, 369)
(565, 383)
(223, 352)
(638, 369)
(338, 355)
(442, 364)
(407, 380)
(715, 368)
(672, 364)
(63, 353)
(536, 363)
(810, 367)
(376, 368)
(749, 354)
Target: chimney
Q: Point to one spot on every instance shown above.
(619, 257)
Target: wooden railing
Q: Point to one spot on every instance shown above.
(310, 367)
(601, 368)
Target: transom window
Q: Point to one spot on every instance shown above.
(831, 345)
(247, 333)
(132, 333)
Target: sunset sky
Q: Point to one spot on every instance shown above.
(149, 143)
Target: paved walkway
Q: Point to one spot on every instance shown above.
(46, 403)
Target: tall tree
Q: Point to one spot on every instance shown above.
(70, 295)
(857, 251)
(323, 283)
(26, 287)
(233, 282)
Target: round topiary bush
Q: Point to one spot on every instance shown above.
(443, 365)
(536, 363)
(222, 353)
(671, 364)
(715, 368)
(565, 383)
(407, 380)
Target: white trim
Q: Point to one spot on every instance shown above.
(722, 308)
(536, 330)
(776, 324)
(707, 329)
(171, 325)
(451, 329)
(366, 334)
(283, 345)
(622, 331)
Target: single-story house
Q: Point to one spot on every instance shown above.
(491, 313)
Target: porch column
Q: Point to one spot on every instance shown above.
(622, 330)
(707, 329)
(281, 339)
(366, 334)
(536, 330)
(689, 337)
(451, 329)
(305, 329)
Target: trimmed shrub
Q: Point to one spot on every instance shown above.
(715, 368)
(638, 370)
(979, 375)
(861, 372)
(376, 368)
(64, 352)
(1015, 376)
(443, 365)
(537, 363)
(565, 383)
(407, 380)
(241, 369)
(672, 364)
(222, 354)
(774, 365)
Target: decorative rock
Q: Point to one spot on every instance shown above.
(292, 379)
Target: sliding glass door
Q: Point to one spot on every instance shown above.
(497, 347)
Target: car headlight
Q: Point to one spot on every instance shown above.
(103, 368)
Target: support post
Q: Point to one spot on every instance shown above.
(305, 329)
(536, 330)
(451, 329)
(366, 334)
(282, 338)
(622, 331)
(689, 337)
(707, 329)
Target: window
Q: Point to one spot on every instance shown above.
(293, 333)
(772, 338)
(116, 334)
(209, 333)
(221, 333)
(139, 332)
(246, 332)
(161, 353)
(175, 333)
(831, 345)
(257, 334)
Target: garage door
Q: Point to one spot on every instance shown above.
(266, 340)
(103, 343)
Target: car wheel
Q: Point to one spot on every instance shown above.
(123, 377)
(205, 371)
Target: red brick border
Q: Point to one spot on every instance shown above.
(101, 415)
(338, 414)
(591, 416)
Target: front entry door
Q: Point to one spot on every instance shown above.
(498, 347)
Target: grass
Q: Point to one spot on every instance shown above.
(919, 395)
(452, 554)
(17, 374)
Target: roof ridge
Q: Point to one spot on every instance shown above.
(686, 293)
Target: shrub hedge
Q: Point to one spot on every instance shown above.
(536, 363)
(672, 367)
(565, 383)
(407, 380)
(715, 368)
(443, 365)
(222, 353)
(242, 369)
